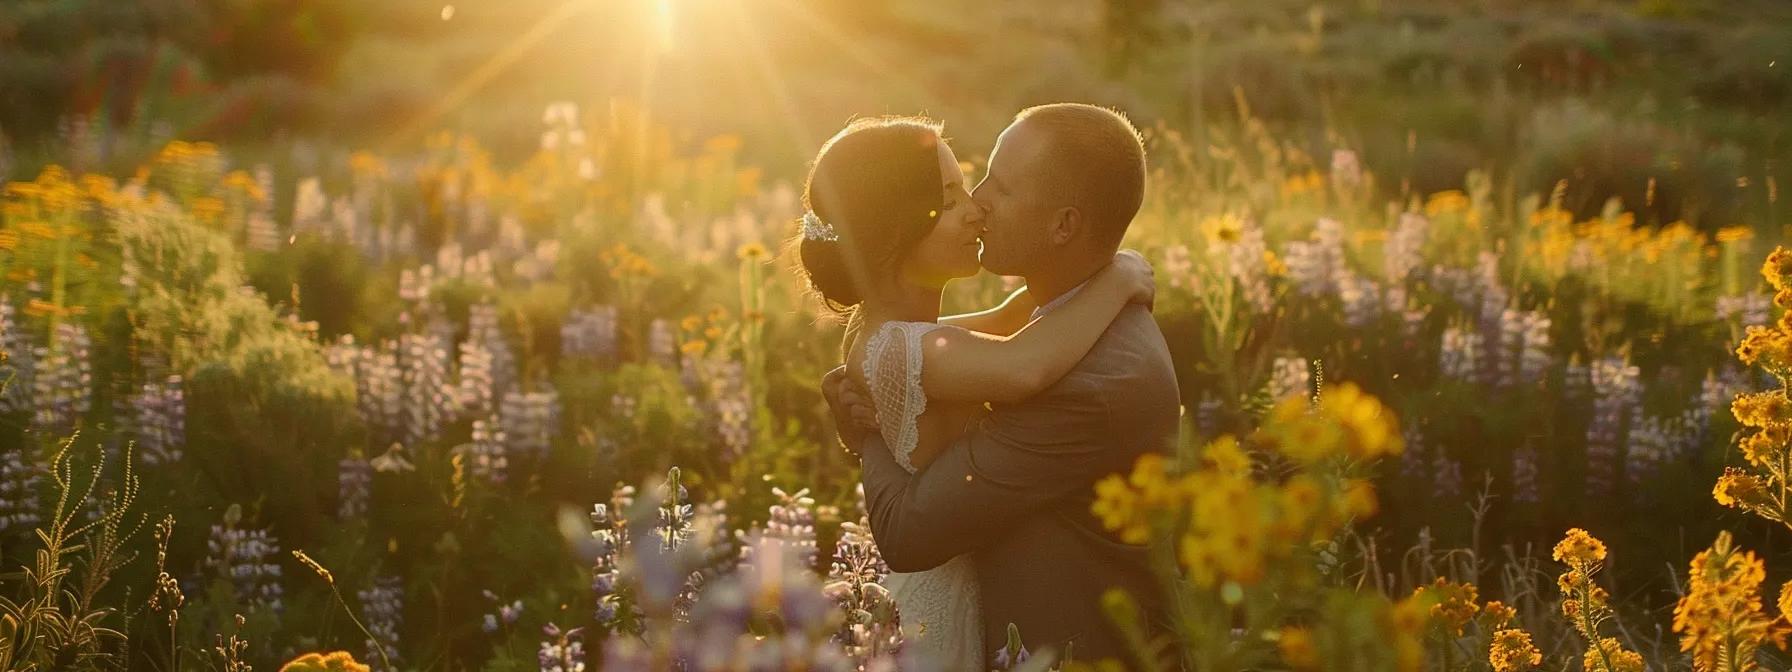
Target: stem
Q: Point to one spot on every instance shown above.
(377, 646)
(1585, 594)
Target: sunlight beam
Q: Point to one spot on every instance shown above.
(480, 76)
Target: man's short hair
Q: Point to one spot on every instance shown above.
(1099, 158)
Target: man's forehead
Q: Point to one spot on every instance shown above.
(1017, 146)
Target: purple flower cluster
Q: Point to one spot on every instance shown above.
(382, 611)
(247, 559)
(590, 334)
(159, 411)
(62, 379)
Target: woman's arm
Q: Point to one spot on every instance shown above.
(1006, 318)
(960, 365)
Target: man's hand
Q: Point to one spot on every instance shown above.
(851, 405)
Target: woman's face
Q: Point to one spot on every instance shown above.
(950, 250)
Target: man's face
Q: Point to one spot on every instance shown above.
(1015, 196)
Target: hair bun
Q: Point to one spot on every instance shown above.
(824, 262)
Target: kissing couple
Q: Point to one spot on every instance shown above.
(982, 435)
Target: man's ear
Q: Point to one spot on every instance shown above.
(1066, 225)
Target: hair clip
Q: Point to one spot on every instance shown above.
(815, 229)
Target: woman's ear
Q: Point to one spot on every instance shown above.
(1066, 225)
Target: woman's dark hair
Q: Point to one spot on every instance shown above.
(877, 183)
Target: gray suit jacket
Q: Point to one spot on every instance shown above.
(1016, 491)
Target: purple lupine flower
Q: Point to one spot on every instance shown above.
(1459, 357)
(1290, 376)
(1651, 443)
(246, 557)
(1207, 415)
(1447, 475)
(791, 525)
(530, 421)
(1414, 465)
(487, 452)
(160, 426)
(590, 334)
(429, 399)
(16, 358)
(62, 379)
(382, 611)
(1616, 395)
(611, 533)
(477, 389)
(505, 616)
(1013, 653)
(354, 485)
(20, 479)
(1508, 343)
(1403, 253)
(872, 627)
(484, 330)
(661, 344)
(1246, 263)
(1534, 357)
(1526, 476)
(1314, 265)
(1576, 379)
(563, 651)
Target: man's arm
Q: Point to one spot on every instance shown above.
(1019, 460)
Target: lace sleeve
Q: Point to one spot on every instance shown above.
(893, 372)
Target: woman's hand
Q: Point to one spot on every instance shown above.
(1137, 274)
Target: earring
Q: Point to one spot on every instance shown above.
(933, 214)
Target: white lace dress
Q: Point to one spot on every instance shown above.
(941, 608)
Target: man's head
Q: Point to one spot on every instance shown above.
(1063, 183)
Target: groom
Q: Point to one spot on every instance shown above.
(1064, 182)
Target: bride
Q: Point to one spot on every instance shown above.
(890, 220)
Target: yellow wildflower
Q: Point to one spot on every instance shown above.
(1739, 489)
(1720, 618)
(335, 661)
(1455, 604)
(1224, 455)
(1372, 426)
(1778, 268)
(1622, 659)
(753, 251)
(1298, 650)
(1512, 651)
(1118, 508)
(1765, 447)
(1222, 229)
(1445, 202)
(1730, 234)
(1578, 549)
(1497, 614)
(1200, 558)
(1760, 409)
(1359, 499)
(1785, 601)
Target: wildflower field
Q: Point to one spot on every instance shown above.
(528, 383)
